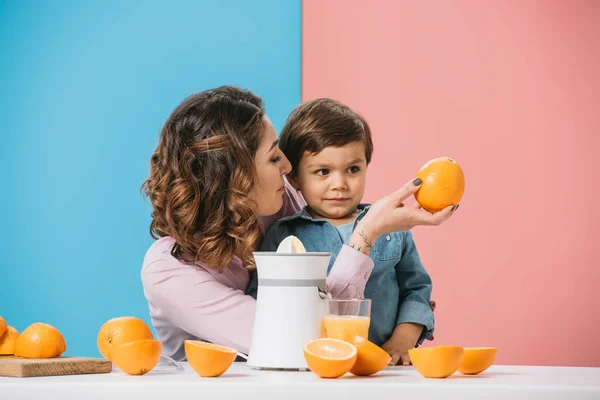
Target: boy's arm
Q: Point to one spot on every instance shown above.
(415, 290)
(415, 321)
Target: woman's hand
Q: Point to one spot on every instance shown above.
(389, 214)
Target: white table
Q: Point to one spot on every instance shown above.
(242, 382)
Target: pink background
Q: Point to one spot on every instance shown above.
(511, 89)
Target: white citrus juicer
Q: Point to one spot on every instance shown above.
(291, 303)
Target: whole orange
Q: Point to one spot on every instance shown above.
(3, 326)
(8, 341)
(40, 341)
(121, 330)
(443, 184)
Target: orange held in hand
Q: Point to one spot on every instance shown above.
(330, 358)
(443, 184)
(137, 357)
(119, 331)
(477, 359)
(370, 359)
(207, 359)
(40, 341)
(8, 341)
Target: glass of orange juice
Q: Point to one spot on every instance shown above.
(347, 318)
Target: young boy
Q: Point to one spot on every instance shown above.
(329, 146)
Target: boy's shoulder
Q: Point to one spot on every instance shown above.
(300, 224)
(287, 225)
(290, 220)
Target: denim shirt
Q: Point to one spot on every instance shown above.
(399, 287)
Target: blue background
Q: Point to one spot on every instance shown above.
(84, 90)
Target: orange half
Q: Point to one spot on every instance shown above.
(477, 359)
(370, 357)
(138, 357)
(330, 358)
(207, 359)
(436, 362)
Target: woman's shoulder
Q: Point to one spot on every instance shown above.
(164, 273)
(159, 263)
(160, 250)
(158, 259)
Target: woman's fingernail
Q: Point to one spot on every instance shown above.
(417, 182)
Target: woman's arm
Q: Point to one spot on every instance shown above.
(192, 299)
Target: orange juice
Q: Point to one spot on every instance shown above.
(344, 326)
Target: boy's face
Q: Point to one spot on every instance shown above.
(333, 181)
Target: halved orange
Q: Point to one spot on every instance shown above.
(137, 357)
(330, 358)
(477, 359)
(207, 359)
(436, 362)
(370, 358)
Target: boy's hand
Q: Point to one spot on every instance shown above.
(405, 337)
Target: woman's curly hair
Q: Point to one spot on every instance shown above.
(202, 173)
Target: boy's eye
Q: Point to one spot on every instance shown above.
(354, 169)
(322, 172)
(275, 160)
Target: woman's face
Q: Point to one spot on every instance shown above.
(271, 165)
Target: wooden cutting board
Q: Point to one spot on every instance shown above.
(24, 367)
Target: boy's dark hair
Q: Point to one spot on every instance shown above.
(321, 123)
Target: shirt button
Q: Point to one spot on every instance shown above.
(388, 238)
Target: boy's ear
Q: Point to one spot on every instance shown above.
(291, 177)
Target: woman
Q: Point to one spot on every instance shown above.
(216, 184)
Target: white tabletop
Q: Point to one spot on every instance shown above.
(242, 382)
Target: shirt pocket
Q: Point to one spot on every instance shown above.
(388, 247)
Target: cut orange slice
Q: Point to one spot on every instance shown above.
(370, 359)
(477, 359)
(436, 362)
(137, 357)
(207, 359)
(330, 358)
